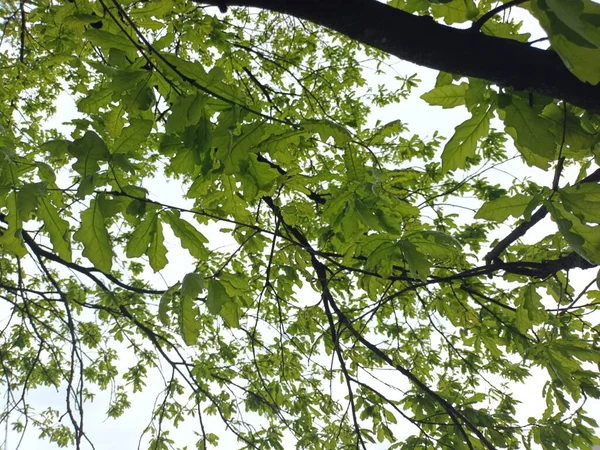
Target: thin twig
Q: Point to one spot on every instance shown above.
(491, 13)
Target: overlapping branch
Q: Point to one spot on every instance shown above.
(526, 225)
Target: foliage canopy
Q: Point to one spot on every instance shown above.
(356, 307)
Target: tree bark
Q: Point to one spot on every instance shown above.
(419, 39)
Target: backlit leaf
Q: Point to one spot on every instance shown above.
(190, 237)
(583, 200)
(157, 252)
(188, 319)
(217, 296)
(418, 265)
(133, 136)
(107, 40)
(192, 285)
(501, 208)
(231, 314)
(56, 227)
(463, 143)
(94, 236)
(140, 238)
(530, 310)
(447, 96)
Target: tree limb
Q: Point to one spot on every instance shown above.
(523, 227)
(419, 39)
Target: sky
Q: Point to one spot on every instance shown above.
(108, 434)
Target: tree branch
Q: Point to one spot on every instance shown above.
(523, 227)
(419, 39)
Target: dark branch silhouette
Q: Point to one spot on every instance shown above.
(419, 39)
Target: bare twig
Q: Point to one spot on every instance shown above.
(491, 13)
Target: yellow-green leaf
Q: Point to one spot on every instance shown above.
(133, 136)
(499, 209)
(95, 239)
(157, 252)
(188, 320)
(418, 264)
(189, 236)
(463, 143)
(447, 96)
(11, 239)
(230, 312)
(56, 227)
(140, 238)
(217, 296)
(107, 40)
(192, 285)
(583, 200)
(579, 55)
(530, 310)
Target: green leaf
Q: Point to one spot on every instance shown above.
(188, 319)
(447, 96)
(191, 239)
(501, 208)
(56, 227)
(156, 8)
(529, 129)
(583, 200)
(11, 239)
(133, 136)
(418, 265)
(580, 16)
(88, 150)
(530, 310)
(217, 296)
(92, 233)
(578, 349)
(365, 214)
(140, 238)
(95, 100)
(107, 40)
(260, 178)
(56, 147)
(570, 35)
(45, 172)
(463, 143)
(192, 70)
(436, 245)
(577, 141)
(28, 197)
(181, 114)
(388, 130)
(230, 313)
(115, 120)
(192, 285)
(327, 129)
(455, 11)
(157, 252)
(583, 239)
(165, 302)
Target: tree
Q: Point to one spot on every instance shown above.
(357, 306)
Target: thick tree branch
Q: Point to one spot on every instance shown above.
(419, 39)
